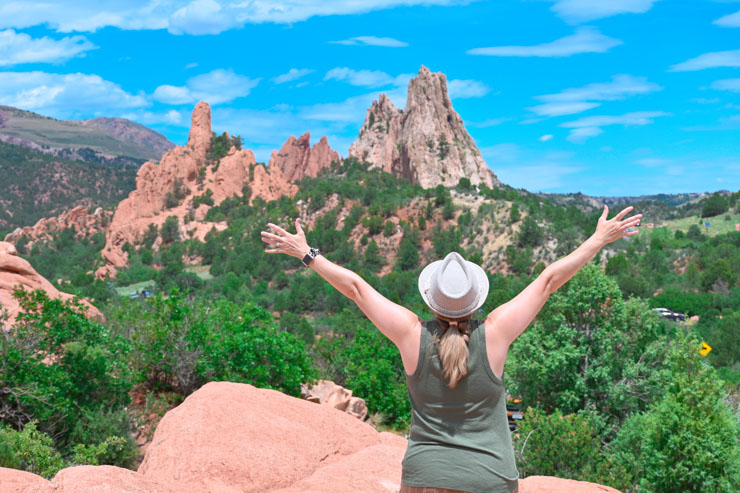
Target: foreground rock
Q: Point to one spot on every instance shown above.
(232, 437)
(426, 143)
(170, 187)
(297, 159)
(18, 272)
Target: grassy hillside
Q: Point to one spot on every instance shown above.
(109, 136)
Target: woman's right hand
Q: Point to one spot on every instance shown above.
(614, 229)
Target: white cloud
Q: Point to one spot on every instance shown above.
(590, 126)
(191, 65)
(545, 138)
(730, 20)
(182, 16)
(565, 108)
(17, 48)
(171, 117)
(621, 86)
(466, 88)
(530, 169)
(726, 85)
(490, 122)
(730, 58)
(65, 95)
(215, 87)
(201, 17)
(580, 135)
(579, 99)
(576, 11)
(367, 78)
(292, 74)
(652, 162)
(372, 41)
(585, 40)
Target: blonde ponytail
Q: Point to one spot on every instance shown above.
(453, 348)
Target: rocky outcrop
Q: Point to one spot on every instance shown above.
(18, 272)
(330, 394)
(427, 142)
(233, 437)
(296, 159)
(84, 223)
(168, 188)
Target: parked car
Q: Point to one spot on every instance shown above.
(147, 293)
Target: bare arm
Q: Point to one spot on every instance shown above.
(393, 320)
(509, 320)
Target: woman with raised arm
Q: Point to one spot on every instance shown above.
(459, 440)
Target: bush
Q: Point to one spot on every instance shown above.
(688, 440)
(29, 450)
(530, 234)
(514, 214)
(60, 368)
(566, 447)
(181, 344)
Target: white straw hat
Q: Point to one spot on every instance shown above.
(453, 287)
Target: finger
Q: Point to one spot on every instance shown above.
(623, 213)
(605, 212)
(631, 221)
(298, 228)
(272, 251)
(269, 240)
(278, 229)
(270, 235)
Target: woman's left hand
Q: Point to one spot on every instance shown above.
(281, 241)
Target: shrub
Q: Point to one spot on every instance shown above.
(688, 440)
(170, 230)
(29, 450)
(714, 205)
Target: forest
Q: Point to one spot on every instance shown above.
(611, 391)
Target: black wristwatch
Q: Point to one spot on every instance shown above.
(312, 254)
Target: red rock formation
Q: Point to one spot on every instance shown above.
(330, 394)
(233, 437)
(18, 272)
(78, 218)
(187, 166)
(296, 159)
(427, 142)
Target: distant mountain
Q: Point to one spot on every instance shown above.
(34, 185)
(104, 140)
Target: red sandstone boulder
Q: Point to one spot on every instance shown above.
(14, 481)
(328, 393)
(232, 437)
(548, 484)
(16, 271)
(229, 435)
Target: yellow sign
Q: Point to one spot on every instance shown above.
(704, 348)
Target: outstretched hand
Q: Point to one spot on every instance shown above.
(294, 245)
(614, 228)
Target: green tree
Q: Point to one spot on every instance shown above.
(514, 214)
(170, 230)
(373, 259)
(688, 440)
(589, 350)
(408, 253)
(530, 233)
(714, 205)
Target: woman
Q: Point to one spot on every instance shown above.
(459, 440)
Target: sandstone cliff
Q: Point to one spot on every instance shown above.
(233, 437)
(297, 159)
(168, 189)
(17, 272)
(427, 142)
(84, 223)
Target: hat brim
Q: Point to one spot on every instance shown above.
(425, 279)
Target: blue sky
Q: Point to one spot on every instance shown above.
(613, 97)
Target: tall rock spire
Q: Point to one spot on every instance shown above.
(427, 142)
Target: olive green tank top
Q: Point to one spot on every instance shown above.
(459, 438)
